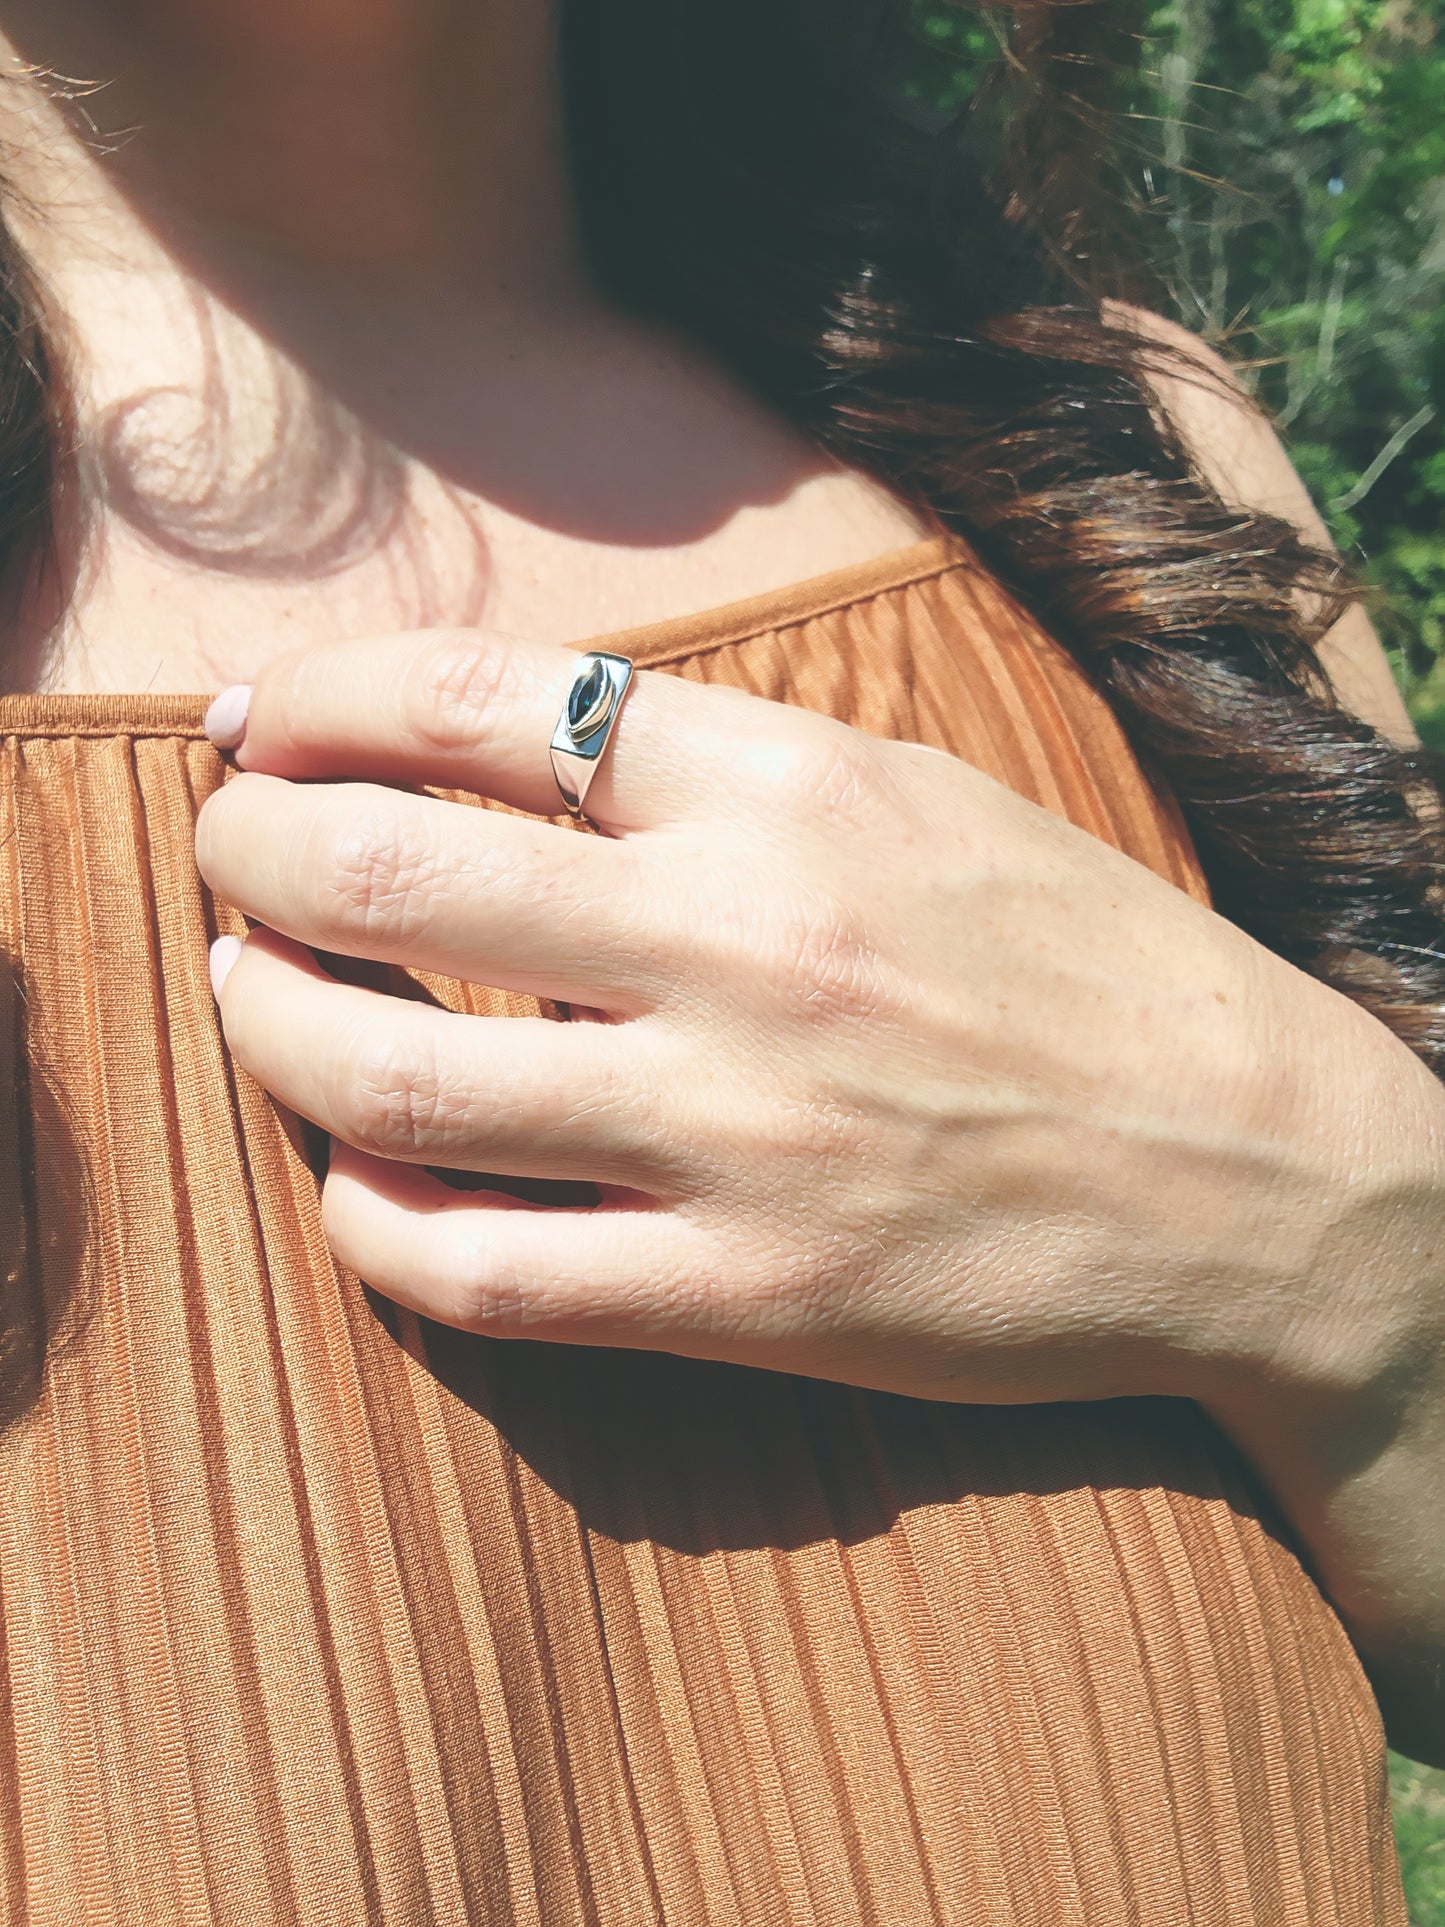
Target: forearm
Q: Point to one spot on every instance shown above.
(1342, 1410)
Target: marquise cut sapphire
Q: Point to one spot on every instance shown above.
(590, 703)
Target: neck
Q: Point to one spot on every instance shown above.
(256, 217)
(336, 361)
(303, 140)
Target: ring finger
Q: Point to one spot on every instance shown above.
(476, 711)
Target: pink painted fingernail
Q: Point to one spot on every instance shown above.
(224, 952)
(226, 718)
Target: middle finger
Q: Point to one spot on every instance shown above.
(490, 898)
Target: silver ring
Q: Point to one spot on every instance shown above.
(585, 726)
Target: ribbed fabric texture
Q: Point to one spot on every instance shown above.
(314, 1615)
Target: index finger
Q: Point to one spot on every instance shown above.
(473, 710)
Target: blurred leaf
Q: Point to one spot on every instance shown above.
(1420, 1831)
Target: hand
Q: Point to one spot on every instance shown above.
(900, 1080)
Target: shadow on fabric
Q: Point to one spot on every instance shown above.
(45, 1295)
(701, 1456)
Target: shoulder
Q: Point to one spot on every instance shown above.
(1229, 436)
(1238, 450)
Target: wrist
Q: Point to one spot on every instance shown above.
(1332, 1381)
(1346, 1299)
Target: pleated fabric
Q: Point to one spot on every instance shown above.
(316, 1616)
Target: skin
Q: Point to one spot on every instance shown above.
(979, 1112)
(303, 423)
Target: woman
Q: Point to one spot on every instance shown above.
(926, 1075)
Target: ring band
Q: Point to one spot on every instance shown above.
(585, 726)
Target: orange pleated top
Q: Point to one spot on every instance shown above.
(317, 1616)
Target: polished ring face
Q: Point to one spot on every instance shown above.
(585, 726)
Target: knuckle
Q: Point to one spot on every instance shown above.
(834, 963)
(396, 1103)
(483, 1295)
(828, 769)
(843, 774)
(834, 1136)
(453, 688)
(482, 1286)
(799, 947)
(819, 1131)
(375, 870)
(822, 959)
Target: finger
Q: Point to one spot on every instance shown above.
(521, 1096)
(364, 871)
(476, 711)
(608, 1275)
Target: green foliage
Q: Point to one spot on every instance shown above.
(953, 46)
(1288, 158)
(1420, 1832)
(1306, 224)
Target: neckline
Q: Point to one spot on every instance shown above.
(680, 637)
(676, 639)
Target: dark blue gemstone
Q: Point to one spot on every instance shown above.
(590, 703)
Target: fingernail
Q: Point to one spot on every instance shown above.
(224, 952)
(226, 718)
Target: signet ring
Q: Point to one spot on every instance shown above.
(585, 726)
